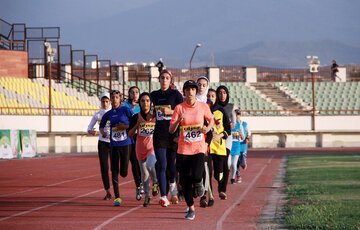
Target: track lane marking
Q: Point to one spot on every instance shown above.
(46, 186)
(117, 216)
(227, 212)
(56, 203)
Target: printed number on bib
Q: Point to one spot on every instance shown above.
(192, 133)
(235, 136)
(118, 135)
(161, 116)
(146, 129)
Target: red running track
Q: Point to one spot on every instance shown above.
(66, 193)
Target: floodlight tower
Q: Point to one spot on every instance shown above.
(192, 56)
(50, 53)
(313, 64)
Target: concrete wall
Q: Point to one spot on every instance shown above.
(69, 132)
(13, 64)
(256, 123)
(80, 142)
(41, 123)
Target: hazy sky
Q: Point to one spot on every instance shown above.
(148, 29)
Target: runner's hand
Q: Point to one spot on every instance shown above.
(241, 135)
(165, 110)
(182, 116)
(92, 132)
(204, 129)
(216, 137)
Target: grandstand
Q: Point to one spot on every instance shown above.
(340, 98)
(32, 98)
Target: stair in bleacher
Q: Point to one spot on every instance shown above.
(277, 96)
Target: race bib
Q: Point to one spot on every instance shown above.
(235, 136)
(146, 129)
(118, 134)
(192, 133)
(159, 115)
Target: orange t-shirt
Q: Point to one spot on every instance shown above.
(144, 139)
(191, 139)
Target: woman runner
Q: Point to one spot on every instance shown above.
(165, 99)
(133, 104)
(119, 117)
(203, 88)
(218, 149)
(144, 124)
(192, 147)
(103, 143)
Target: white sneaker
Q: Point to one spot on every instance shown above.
(164, 202)
(173, 189)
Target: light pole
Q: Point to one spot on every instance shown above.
(50, 57)
(192, 56)
(313, 65)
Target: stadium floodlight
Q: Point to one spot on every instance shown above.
(192, 56)
(50, 57)
(313, 63)
(50, 51)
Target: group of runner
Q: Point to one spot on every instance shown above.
(175, 140)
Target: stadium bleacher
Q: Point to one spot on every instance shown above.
(33, 98)
(328, 96)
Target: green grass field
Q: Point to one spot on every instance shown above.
(323, 191)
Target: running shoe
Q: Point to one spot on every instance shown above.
(199, 190)
(142, 191)
(147, 201)
(203, 202)
(117, 202)
(190, 215)
(173, 189)
(164, 202)
(174, 199)
(233, 181)
(211, 202)
(155, 189)
(107, 196)
(238, 180)
(138, 194)
(222, 196)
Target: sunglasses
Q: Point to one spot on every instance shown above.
(114, 92)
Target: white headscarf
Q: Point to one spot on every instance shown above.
(203, 97)
(102, 111)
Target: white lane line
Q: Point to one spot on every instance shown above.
(227, 212)
(56, 203)
(46, 186)
(117, 216)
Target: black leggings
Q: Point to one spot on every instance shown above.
(135, 168)
(104, 153)
(119, 158)
(191, 169)
(221, 167)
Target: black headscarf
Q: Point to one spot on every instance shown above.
(143, 114)
(218, 102)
